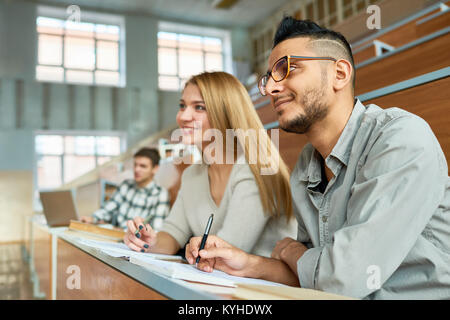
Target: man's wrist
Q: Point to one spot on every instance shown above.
(252, 270)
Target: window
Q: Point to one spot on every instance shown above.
(185, 50)
(60, 158)
(78, 52)
(181, 56)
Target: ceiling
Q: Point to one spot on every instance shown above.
(244, 13)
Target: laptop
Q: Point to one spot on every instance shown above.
(59, 207)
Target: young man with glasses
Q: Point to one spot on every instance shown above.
(371, 188)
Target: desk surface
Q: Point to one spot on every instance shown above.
(166, 286)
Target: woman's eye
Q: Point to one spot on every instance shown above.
(181, 106)
(199, 107)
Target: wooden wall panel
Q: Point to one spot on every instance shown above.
(267, 114)
(430, 56)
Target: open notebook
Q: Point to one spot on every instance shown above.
(122, 250)
(189, 272)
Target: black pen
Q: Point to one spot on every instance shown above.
(205, 236)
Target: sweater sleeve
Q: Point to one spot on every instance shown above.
(245, 220)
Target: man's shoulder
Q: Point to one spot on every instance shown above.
(126, 184)
(384, 116)
(396, 122)
(156, 189)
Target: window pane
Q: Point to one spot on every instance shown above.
(102, 160)
(168, 83)
(44, 73)
(84, 145)
(107, 55)
(189, 42)
(107, 32)
(49, 144)
(49, 25)
(48, 172)
(75, 166)
(107, 77)
(167, 61)
(80, 29)
(167, 39)
(69, 144)
(79, 76)
(108, 146)
(212, 44)
(50, 50)
(213, 62)
(79, 53)
(190, 62)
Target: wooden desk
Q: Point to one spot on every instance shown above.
(42, 257)
(98, 280)
(55, 255)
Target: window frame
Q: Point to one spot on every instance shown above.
(192, 30)
(121, 135)
(87, 17)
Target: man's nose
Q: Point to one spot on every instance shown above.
(273, 87)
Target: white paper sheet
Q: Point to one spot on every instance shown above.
(190, 272)
(122, 250)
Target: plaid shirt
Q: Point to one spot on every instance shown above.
(129, 201)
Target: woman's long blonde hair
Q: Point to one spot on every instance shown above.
(229, 106)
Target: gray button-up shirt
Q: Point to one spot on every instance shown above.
(381, 228)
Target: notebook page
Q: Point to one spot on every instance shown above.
(122, 250)
(191, 273)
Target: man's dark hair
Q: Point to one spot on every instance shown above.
(151, 153)
(337, 46)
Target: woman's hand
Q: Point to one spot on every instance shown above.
(142, 241)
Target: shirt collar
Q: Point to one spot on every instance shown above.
(343, 147)
(341, 150)
(149, 186)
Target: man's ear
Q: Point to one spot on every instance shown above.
(343, 74)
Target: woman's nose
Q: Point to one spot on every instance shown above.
(186, 114)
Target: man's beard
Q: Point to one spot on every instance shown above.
(315, 109)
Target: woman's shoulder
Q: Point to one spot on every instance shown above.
(241, 172)
(193, 172)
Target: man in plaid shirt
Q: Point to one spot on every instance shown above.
(140, 197)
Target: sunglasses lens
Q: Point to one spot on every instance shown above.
(280, 69)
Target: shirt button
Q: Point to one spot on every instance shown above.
(324, 218)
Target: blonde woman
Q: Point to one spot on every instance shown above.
(249, 197)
